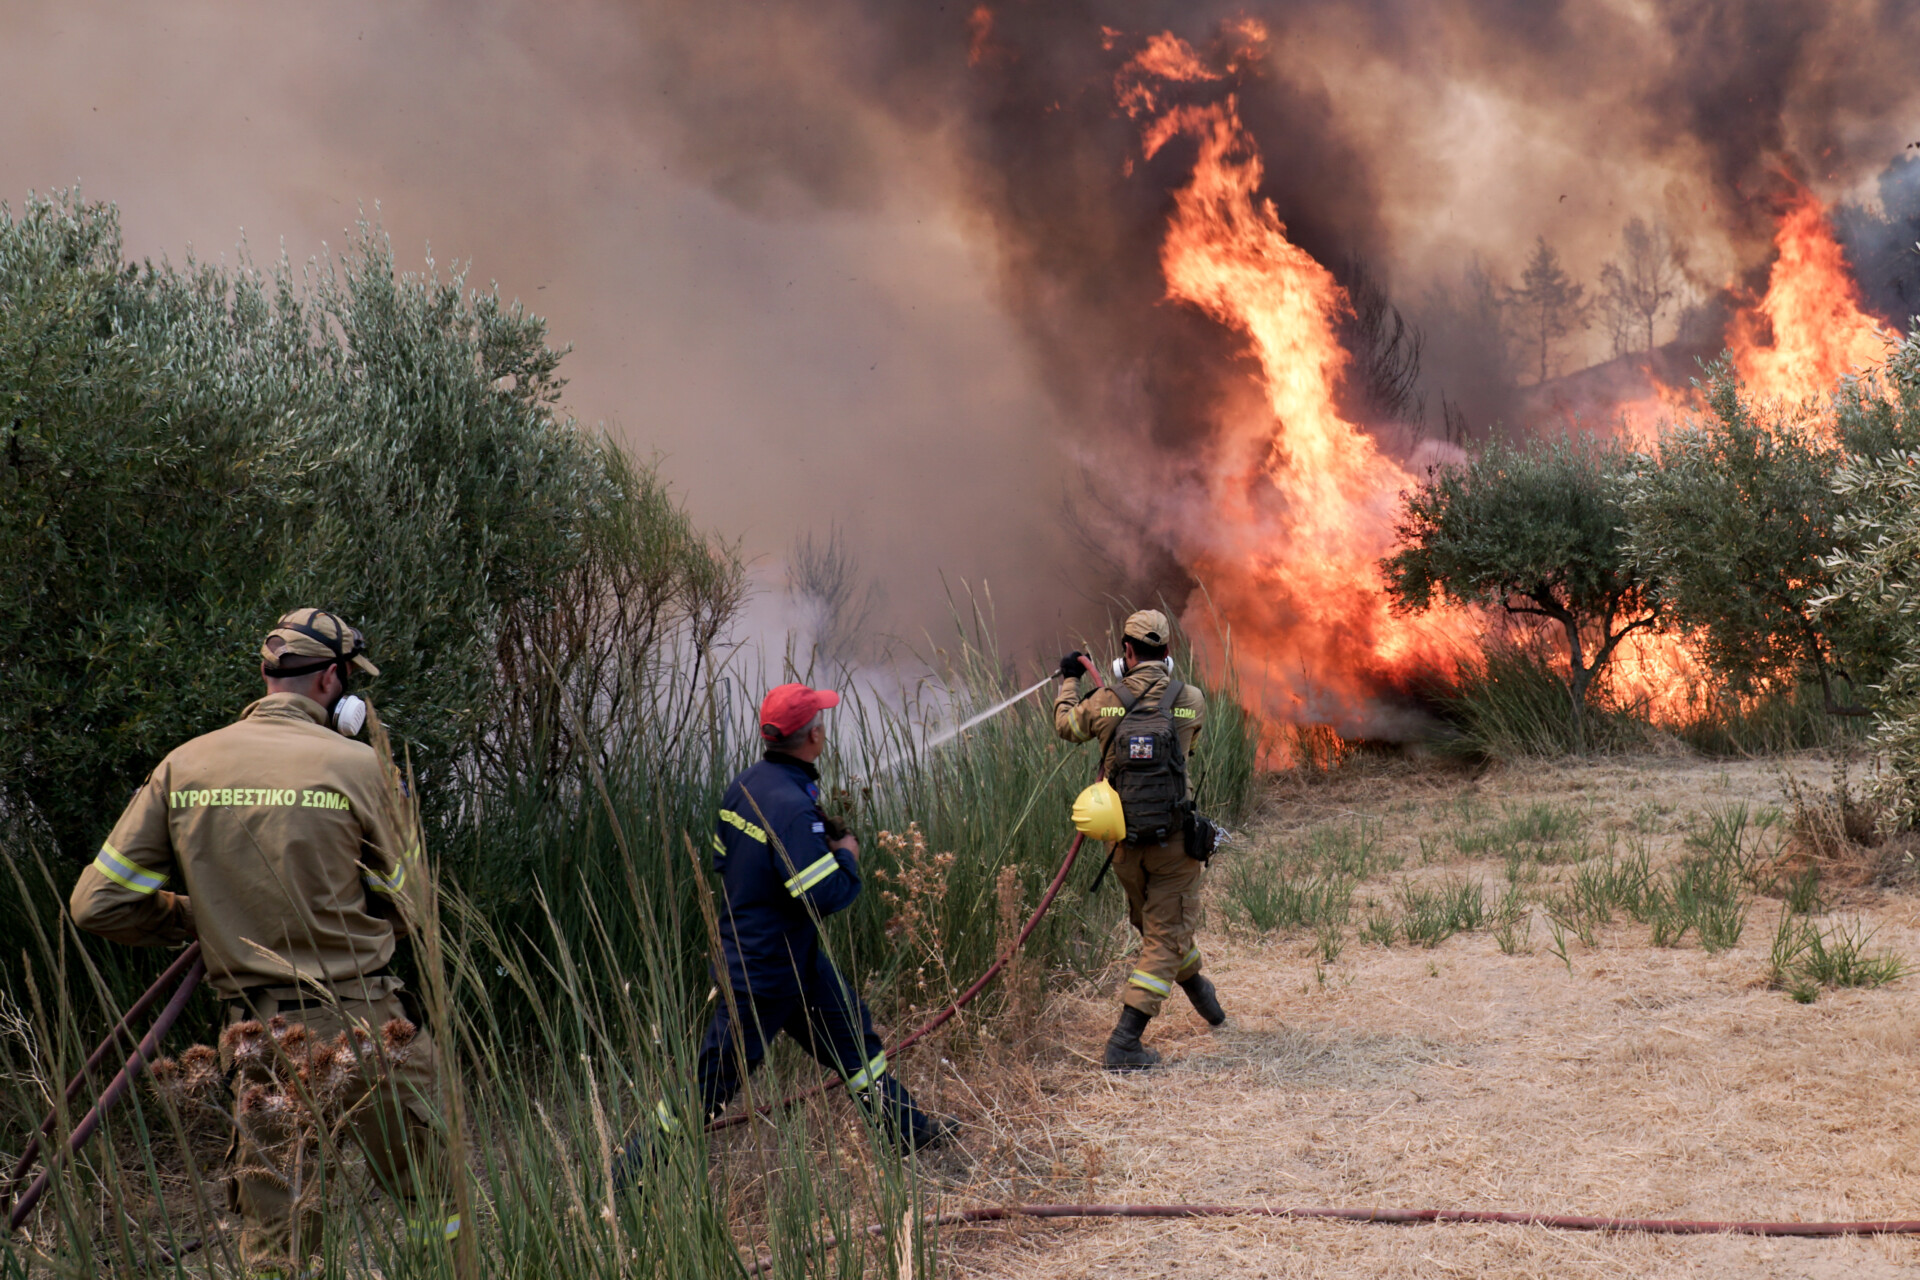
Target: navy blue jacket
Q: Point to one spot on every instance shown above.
(778, 876)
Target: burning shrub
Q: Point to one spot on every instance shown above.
(1537, 532)
(1734, 519)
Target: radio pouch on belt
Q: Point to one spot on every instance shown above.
(1148, 769)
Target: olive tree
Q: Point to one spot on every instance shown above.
(1735, 516)
(187, 452)
(1535, 531)
(1874, 570)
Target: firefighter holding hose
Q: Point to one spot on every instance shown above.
(287, 861)
(1146, 727)
(783, 866)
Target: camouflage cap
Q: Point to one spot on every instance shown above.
(1149, 626)
(306, 640)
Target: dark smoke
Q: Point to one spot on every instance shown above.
(1881, 244)
(1693, 112)
(686, 186)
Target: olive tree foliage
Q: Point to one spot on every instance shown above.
(1735, 515)
(187, 452)
(1535, 531)
(1874, 570)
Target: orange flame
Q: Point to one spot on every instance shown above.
(1300, 502)
(1808, 331)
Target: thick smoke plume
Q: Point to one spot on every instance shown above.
(1415, 149)
(1414, 142)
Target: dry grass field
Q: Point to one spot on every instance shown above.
(1618, 1078)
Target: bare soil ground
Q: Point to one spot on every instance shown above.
(1626, 1080)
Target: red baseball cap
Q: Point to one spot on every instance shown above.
(786, 710)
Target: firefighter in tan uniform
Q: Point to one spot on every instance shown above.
(275, 842)
(1162, 883)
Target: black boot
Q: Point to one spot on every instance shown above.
(1124, 1050)
(1206, 1002)
(924, 1132)
(902, 1120)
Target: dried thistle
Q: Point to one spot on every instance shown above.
(244, 1041)
(396, 1037)
(914, 893)
(200, 1069)
(292, 1037)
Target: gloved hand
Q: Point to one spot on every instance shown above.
(1071, 668)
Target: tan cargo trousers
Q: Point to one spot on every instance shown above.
(1163, 902)
(282, 1159)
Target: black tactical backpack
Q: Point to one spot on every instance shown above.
(1147, 767)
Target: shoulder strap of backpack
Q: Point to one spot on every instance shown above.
(1168, 693)
(1168, 697)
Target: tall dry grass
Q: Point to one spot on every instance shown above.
(566, 972)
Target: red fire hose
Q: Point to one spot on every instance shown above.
(189, 968)
(193, 968)
(1563, 1222)
(1560, 1222)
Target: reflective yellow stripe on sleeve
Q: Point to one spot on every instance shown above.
(864, 1079)
(745, 828)
(813, 875)
(388, 885)
(110, 864)
(719, 845)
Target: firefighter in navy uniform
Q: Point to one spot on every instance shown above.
(780, 874)
(1146, 762)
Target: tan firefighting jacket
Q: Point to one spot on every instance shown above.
(281, 847)
(1100, 714)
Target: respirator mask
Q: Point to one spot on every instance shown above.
(1120, 666)
(349, 715)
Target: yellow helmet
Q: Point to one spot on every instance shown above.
(1096, 812)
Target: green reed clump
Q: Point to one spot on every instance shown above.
(1515, 705)
(1512, 922)
(1700, 894)
(1260, 898)
(1308, 881)
(1608, 884)
(1431, 915)
(1794, 718)
(1540, 833)
(1807, 957)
